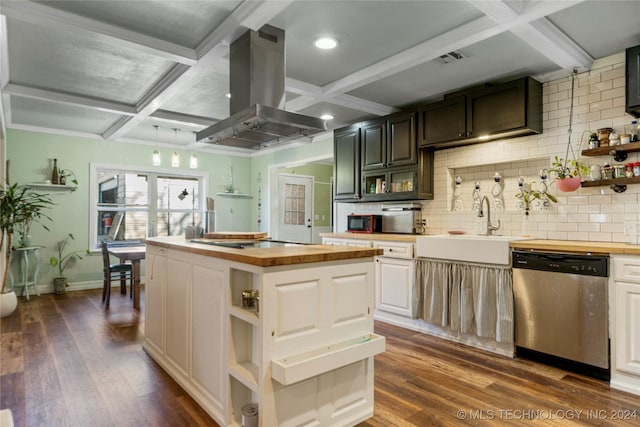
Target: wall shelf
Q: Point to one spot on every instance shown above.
(619, 152)
(235, 195)
(51, 187)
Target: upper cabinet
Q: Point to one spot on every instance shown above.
(379, 160)
(389, 142)
(443, 121)
(346, 167)
(633, 81)
(504, 110)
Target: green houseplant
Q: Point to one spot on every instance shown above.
(19, 209)
(62, 261)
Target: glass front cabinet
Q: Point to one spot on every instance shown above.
(390, 184)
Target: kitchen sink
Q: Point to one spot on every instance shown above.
(467, 247)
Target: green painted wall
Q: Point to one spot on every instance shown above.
(30, 154)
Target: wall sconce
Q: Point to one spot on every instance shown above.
(193, 161)
(156, 160)
(175, 160)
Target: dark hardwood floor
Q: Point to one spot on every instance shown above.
(65, 361)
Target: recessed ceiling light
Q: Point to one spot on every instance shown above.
(325, 43)
(228, 95)
(326, 117)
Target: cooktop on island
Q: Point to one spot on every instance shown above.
(242, 244)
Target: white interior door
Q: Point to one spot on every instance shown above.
(295, 208)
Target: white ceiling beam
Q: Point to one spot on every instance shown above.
(59, 97)
(180, 78)
(36, 13)
(179, 118)
(301, 88)
(465, 35)
(356, 103)
(540, 33)
(249, 14)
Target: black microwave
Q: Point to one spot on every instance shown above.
(364, 223)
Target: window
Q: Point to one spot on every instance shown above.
(131, 204)
(294, 199)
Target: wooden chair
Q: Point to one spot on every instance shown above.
(112, 272)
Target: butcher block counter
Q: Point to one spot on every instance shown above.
(265, 257)
(577, 246)
(285, 329)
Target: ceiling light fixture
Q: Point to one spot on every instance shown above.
(156, 160)
(228, 95)
(325, 43)
(326, 116)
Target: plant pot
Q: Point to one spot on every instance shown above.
(568, 184)
(59, 285)
(8, 303)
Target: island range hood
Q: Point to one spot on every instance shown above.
(257, 85)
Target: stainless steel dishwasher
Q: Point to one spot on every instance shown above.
(560, 304)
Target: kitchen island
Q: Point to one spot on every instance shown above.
(287, 329)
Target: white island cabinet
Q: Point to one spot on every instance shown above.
(303, 354)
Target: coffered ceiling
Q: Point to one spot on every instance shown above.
(115, 69)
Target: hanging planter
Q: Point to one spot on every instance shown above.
(569, 172)
(568, 184)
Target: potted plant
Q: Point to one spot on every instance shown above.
(65, 174)
(568, 173)
(19, 208)
(61, 262)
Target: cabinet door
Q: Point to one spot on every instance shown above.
(394, 285)
(373, 145)
(633, 81)
(154, 298)
(627, 341)
(177, 314)
(401, 140)
(346, 171)
(496, 109)
(208, 299)
(442, 121)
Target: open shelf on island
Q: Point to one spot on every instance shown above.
(246, 373)
(249, 315)
(299, 367)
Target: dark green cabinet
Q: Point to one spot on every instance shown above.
(346, 164)
(442, 121)
(389, 142)
(400, 183)
(632, 94)
(379, 160)
(505, 110)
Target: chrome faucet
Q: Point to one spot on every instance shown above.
(490, 227)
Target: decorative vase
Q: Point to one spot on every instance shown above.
(568, 184)
(525, 224)
(25, 240)
(59, 285)
(8, 303)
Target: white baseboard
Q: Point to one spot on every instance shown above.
(73, 286)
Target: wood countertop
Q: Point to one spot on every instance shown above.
(373, 236)
(266, 257)
(577, 246)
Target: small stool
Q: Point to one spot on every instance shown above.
(22, 257)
